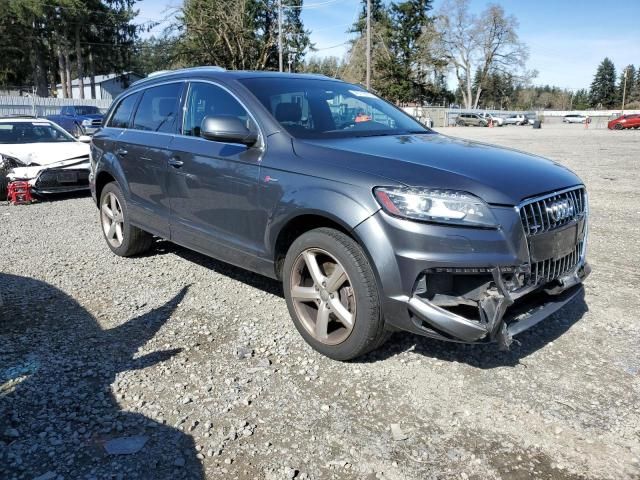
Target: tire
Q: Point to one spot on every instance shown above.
(353, 295)
(618, 126)
(461, 123)
(122, 238)
(4, 186)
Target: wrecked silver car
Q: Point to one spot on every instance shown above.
(41, 153)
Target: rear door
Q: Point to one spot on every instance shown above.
(144, 152)
(213, 186)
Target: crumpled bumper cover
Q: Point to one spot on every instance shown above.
(503, 313)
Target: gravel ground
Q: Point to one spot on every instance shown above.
(173, 365)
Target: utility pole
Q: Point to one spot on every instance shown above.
(624, 90)
(280, 59)
(368, 82)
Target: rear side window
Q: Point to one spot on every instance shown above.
(206, 99)
(158, 108)
(122, 114)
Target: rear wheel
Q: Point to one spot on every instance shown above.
(122, 238)
(332, 294)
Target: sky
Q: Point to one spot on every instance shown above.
(567, 39)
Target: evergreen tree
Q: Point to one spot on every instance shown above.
(603, 88)
(580, 100)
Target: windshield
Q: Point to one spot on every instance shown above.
(32, 132)
(87, 110)
(309, 108)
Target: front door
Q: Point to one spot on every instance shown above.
(213, 186)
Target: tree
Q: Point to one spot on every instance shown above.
(580, 100)
(603, 92)
(479, 43)
(154, 54)
(627, 81)
(355, 70)
(329, 66)
(239, 34)
(64, 38)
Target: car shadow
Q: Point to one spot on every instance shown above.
(266, 284)
(58, 370)
(484, 356)
(487, 355)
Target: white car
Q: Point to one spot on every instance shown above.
(574, 118)
(497, 121)
(40, 152)
(518, 119)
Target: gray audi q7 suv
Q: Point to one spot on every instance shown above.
(372, 222)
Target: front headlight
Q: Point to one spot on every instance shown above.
(86, 123)
(435, 205)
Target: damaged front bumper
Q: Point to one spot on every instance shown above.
(503, 311)
(63, 177)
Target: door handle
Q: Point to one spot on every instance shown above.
(175, 163)
(121, 152)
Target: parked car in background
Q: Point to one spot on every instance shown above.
(78, 120)
(497, 121)
(371, 226)
(40, 152)
(574, 118)
(518, 119)
(467, 119)
(625, 121)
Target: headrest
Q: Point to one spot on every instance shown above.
(166, 107)
(288, 112)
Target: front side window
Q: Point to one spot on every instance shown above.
(158, 108)
(309, 108)
(122, 115)
(206, 99)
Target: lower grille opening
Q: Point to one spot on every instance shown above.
(550, 269)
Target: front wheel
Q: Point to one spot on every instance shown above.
(618, 126)
(332, 294)
(122, 238)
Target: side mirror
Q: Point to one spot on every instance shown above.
(223, 128)
(84, 139)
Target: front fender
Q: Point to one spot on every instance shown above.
(347, 210)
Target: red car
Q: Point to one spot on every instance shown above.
(625, 121)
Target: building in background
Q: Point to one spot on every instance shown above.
(107, 87)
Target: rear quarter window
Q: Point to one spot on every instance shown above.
(122, 114)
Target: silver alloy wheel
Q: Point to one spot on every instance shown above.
(112, 219)
(323, 296)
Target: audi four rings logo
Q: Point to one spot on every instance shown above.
(561, 210)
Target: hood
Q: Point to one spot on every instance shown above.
(497, 175)
(45, 153)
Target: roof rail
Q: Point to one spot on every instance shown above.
(161, 73)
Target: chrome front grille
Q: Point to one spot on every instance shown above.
(547, 270)
(544, 214)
